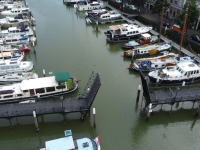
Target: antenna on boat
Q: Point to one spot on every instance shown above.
(183, 33)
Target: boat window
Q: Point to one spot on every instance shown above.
(192, 72)
(41, 90)
(141, 52)
(18, 11)
(133, 32)
(50, 89)
(17, 31)
(14, 40)
(144, 51)
(7, 96)
(197, 71)
(8, 40)
(185, 74)
(130, 32)
(182, 71)
(25, 90)
(177, 68)
(3, 68)
(16, 66)
(127, 33)
(15, 11)
(136, 31)
(19, 95)
(7, 67)
(156, 66)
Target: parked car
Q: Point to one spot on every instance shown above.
(166, 24)
(118, 1)
(132, 7)
(195, 38)
(177, 28)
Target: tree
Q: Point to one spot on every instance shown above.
(158, 6)
(139, 3)
(192, 14)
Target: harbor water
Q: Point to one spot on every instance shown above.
(66, 43)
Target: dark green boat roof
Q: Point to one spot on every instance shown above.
(62, 76)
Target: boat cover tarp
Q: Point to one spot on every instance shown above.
(62, 76)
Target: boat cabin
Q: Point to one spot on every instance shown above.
(5, 55)
(144, 39)
(188, 69)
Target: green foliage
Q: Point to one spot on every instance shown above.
(158, 6)
(192, 15)
(139, 3)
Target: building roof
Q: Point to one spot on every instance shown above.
(39, 83)
(62, 76)
(65, 143)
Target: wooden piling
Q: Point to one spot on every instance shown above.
(97, 26)
(44, 72)
(138, 93)
(94, 119)
(36, 121)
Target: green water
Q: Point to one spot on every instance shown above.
(66, 43)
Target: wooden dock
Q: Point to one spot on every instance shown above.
(80, 104)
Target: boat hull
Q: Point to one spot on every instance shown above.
(171, 82)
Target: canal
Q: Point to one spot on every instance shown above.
(66, 43)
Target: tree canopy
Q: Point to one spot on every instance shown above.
(192, 14)
(139, 3)
(158, 6)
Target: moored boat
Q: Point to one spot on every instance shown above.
(103, 18)
(68, 143)
(125, 32)
(15, 39)
(147, 50)
(14, 11)
(19, 47)
(144, 39)
(17, 77)
(187, 72)
(95, 12)
(60, 84)
(90, 6)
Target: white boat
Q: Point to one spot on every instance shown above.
(147, 50)
(69, 143)
(21, 29)
(90, 6)
(125, 32)
(8, 56)
(103, 18)
(184, 71)
(10, 5)
(96, 12)
(15, 39)
(10, 48)
(75, 1)
(60, 84)
(14, 20)
(14, 11)
(17, 77)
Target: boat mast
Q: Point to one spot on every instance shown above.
(161, 24)
(183, 34)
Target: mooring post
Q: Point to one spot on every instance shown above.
(183, 84)
(34, 46)
(38, 96)
(36, 122)
(198, 110)
(157, 80)
(44, 72)
(97, 26)
(94, 119)
(138, 94)
(112, 37)
(149, 110)
(34, 31)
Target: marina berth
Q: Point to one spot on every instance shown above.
(15, 39)
(14, 21)
(60, 84)
(125, 32)
(17, 77)
(90, 6)
(147, 50)
(95, 12)
(14, 11)
(21, 29)
(8, 56)
(102, 18)
(185, 71)
(69, 143)
(10, 48)
(144, 39)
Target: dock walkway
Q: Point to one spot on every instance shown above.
(80, 104)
